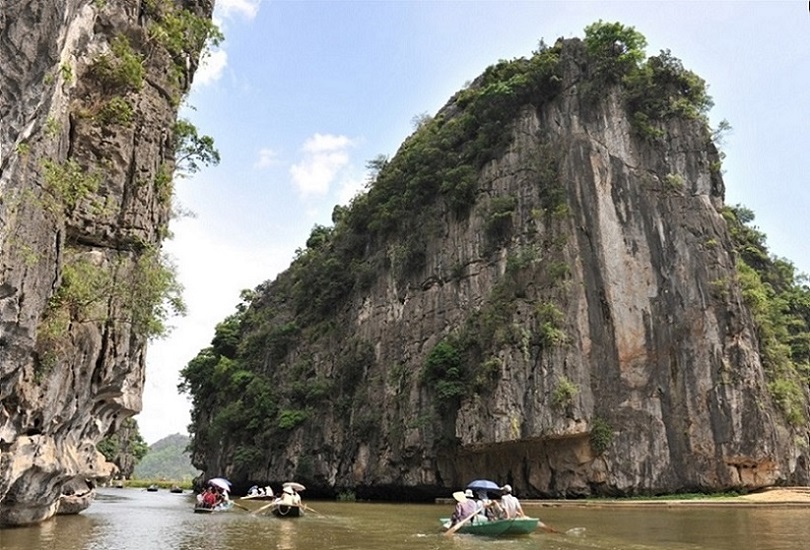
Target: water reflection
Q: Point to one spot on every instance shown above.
(124, 519)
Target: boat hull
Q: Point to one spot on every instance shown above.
(224, 507)
(285, 511)
(497, 528)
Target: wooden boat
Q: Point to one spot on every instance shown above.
(221, 507)
(496, 528)
(258, 497)
(176, 489)
(287, 511)
(152, 488)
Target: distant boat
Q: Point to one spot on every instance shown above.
(152, 488)
(175, 489)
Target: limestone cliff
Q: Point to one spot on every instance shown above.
(89, 92)
(539, 289)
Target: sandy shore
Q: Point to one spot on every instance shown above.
(775, 496)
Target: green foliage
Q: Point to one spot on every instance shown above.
(347, 495)
(674, 181)
(779, 301)
(444, 370)
(549, 319)
(154, 294)
(498, 223)
(601, 435)
(121, 69)
(52, 127)
(290, 418)
(168, 459)
(614, 48)
(192, 151)
(124, 447)
(564, 393)
(66, 185)
(662, 88)
(116, 111)
(179, 30)
(163, 184)
(66, 71)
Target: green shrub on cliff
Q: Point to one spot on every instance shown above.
(779, 301)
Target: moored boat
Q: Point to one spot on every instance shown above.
(496, 528)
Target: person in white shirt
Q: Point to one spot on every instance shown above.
(510, 504)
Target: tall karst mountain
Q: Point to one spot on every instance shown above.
(539, 288)
(89, 92)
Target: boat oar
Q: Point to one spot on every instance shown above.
(310, 509)
(548, 528)
(245, 508)
(266, 506)
(458, 525)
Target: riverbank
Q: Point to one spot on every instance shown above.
(788, 497)
(772, 496)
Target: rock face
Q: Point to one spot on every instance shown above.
(620, 358)
(88, 101)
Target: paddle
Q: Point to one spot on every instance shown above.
(257, 510)
(548, 528)
(245, 508)
(309, 509)
(458, 525)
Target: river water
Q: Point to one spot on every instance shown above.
(123, 519)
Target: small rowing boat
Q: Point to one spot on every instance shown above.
(287, 511)
(221, 507)
(496, 528)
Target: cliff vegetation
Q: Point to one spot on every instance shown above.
(542, 286)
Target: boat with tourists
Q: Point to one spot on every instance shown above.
(221, 507)
(496, 528)
(215, 497)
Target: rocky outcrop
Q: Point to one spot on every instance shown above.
(595, 278)
(88, 101)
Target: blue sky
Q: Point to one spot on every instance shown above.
(302, 94)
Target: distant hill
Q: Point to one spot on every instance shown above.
(167, 459)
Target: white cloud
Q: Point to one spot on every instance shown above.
(246, 8)
(211, 289)
(267, 158)
(349, 188)
(211, 68)
(325, 156)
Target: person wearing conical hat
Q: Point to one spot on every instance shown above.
(465, 507)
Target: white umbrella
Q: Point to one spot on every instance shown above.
(220, 482)
(293, 485)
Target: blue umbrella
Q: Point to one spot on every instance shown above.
(483, 485)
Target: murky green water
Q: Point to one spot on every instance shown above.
(123, 519)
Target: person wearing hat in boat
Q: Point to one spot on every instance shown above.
(289, 497)
(510, 504)
(465, 507)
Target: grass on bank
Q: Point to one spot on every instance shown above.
(161, 483)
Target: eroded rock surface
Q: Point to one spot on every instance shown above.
(88, 101)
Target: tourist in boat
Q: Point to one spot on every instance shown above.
(289, 497)
(209, 498)
(465, 507)
(510, 504)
